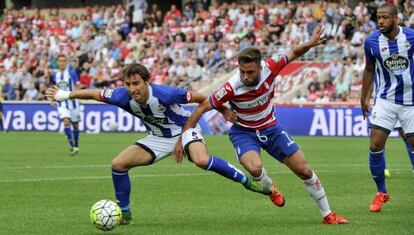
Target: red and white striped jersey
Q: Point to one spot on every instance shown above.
(252, 105)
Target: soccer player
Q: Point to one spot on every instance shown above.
(389, 64)
(66, 79)
(159, 108)
(250, 94)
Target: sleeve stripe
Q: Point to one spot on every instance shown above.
(212, 102)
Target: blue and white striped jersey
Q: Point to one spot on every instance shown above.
(394, 65)
(66, 81)
(162, 116)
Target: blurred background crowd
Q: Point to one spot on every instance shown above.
(182, 47)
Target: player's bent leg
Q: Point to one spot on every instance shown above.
(132, 156)
(252, 162)
(197, 153)
(297, 163)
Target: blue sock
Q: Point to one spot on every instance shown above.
(410, 152)
(377, 166)
(76, 137)
(122, 187)
(68, 133)
(225, 169)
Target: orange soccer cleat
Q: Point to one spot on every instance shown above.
(378, 201)
(333, 218)
(276, 196)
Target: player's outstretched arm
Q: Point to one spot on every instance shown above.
(301, 49)
(367, 87)
(57, 94)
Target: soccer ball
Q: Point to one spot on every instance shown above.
(105, 214)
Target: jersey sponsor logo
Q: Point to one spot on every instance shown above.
(63, 85)
(396, 64)
(108, 93)
(220, 93)
(156, 120)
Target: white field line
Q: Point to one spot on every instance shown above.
(26, 167)
(205, 173)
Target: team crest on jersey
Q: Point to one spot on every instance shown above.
(407, 45)
(277, 58)
(384, 49)
(108, 93)
(162, 108)
(220, 93)
(188, 96)
(396, 64)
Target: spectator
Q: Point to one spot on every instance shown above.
(299, 99)
(341, 86)
(31, 92)
(312, 94)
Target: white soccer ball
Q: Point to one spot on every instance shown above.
(105, 214)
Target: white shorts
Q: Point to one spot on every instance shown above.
(161, 147)
(385, 114)
(192, 135)
(72, 114)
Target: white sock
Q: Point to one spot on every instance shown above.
(264, 178)
(315, 189)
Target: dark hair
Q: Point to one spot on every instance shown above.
(139, 69)
(250, 54)
(61, 55)
(392, 7)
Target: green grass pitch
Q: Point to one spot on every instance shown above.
(44, 191)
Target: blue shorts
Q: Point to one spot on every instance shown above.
(272, 139)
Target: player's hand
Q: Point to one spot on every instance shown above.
(230, 116)
(56, 94)
(365, 108)
(178, 152)
(317, 36)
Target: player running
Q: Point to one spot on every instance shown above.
(250, 94)
(66, 79)
(160, 110)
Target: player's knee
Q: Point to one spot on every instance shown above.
(200, 160)
(305, 173)
(376, 147)
(119, 165)
(254, 169)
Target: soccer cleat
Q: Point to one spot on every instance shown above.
(333, 218)
(74, 151)
(276, 196)
(387, 173)
(126, 217)
(257, 186)
(378, 201)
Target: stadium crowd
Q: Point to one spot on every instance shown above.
(181, 47)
